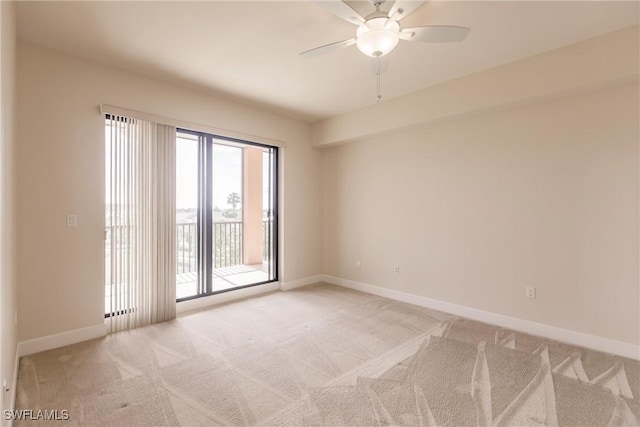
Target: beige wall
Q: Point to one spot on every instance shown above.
(61, 171)
(252, 190)
(530, 190)
(8, 286)
(475, 209)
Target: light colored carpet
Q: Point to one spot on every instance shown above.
(324, 355)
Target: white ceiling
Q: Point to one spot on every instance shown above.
(249, 49)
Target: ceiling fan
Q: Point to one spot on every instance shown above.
(379, 32)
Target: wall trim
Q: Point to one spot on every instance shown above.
(203, 303)
(594, 342)
(287, 286)
(62, 339)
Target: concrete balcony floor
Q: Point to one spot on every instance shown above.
(224, 278)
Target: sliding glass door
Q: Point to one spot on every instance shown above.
(226, 217)
(226, 214)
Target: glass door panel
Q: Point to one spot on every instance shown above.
(226, 215)
(228, 202)
(186, 215)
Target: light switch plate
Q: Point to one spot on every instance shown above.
(72, 220)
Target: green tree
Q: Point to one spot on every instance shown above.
(234, 200)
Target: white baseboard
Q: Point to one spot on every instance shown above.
(49, 342)
(287, 286)
(206, 302)
(594, 342)
(62, 339)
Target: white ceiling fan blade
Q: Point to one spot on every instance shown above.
(327, 48)
(435, 34)
(341, 10)
(402, 8)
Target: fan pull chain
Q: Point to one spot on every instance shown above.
(379, 97)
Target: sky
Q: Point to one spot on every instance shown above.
(227, 173)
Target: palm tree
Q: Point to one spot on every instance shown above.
(234, 200)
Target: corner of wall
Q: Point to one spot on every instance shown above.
(8, 281)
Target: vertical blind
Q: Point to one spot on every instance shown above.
(140, 222)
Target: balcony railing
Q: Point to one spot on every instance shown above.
(227, 238)
(186, 247)
(228, 244)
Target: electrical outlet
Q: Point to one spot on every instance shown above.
(358, 263)
(396, 269)
(530, 292)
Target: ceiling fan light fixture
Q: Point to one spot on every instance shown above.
(377, 36)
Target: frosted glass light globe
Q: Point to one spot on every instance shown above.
(377, 36)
